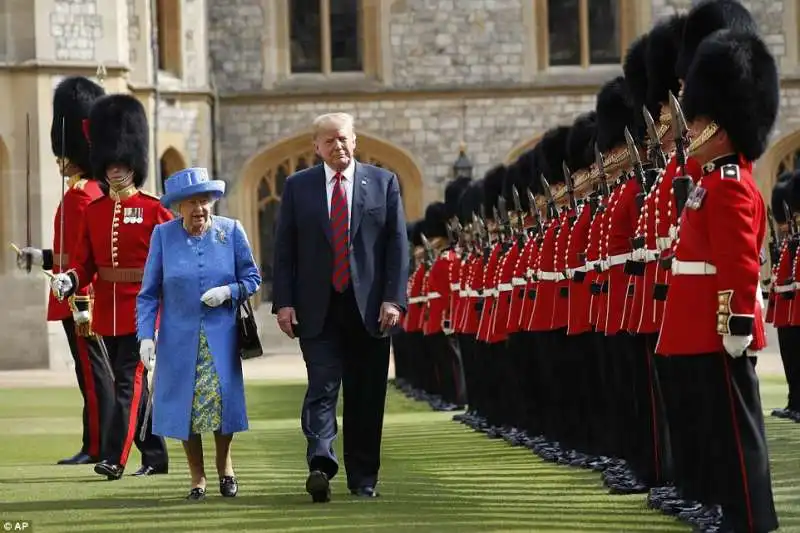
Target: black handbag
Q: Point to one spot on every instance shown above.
(249, 343)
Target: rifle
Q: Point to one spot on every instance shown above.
(790, 220)
(552, 212)
(429, 253)
(654, 152)
(774, 248)
(535, 213)
(633, 155)
(570, 186)
(598, 161)
(681, 183)
(520, 214)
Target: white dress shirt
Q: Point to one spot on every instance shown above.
(348, 175)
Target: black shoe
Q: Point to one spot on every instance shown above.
(318, 486)
(79, 458)
(112, 472)
(228, 486)
(365, 492)
(197, 494)
(150, 470)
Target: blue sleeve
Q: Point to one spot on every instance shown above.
(149, 299)
(245, 265)
(394, 290)
(283, 264)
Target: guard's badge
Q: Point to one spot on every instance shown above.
(133, 215)
(730, 172)
(696, 198)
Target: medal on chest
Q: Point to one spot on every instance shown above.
(696, 198)
(133, 215)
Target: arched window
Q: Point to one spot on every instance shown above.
(168, 16)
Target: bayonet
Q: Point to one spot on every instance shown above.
(429, 255)
(789, 219)
(598, 161)
(548, 194)
(570, 186)
(537, 216)
(681, 183)
(633, 155)
(774, 249)
(517, 199)
(654, 152)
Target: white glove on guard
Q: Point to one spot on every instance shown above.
(216, 296)
(60, 284)
(147, 354)
(736, 345)
(81, 317)
(35, 254)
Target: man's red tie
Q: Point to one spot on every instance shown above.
(340, 228)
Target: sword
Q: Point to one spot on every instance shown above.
(28, 258)
(63, 194)
(654, 152)
(148, 408)
(681, 183)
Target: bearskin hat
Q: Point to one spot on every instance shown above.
(119, 133)
(553, 153)
(635, 69)
(615, 111)
(733, 81)
(492, 189)
(470, 202)
(72, 101)
(435, 220)
(517, 176)
(452, 195)
(580, 141)
(782, 192)
(663, 46)
(793, 187)
(705, 18)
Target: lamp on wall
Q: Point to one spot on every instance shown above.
(462, 168)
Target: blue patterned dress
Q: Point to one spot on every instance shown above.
(207, 402)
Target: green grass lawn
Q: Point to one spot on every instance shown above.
(437, 476)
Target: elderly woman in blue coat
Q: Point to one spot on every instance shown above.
(199, 269)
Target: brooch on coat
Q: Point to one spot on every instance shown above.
(221, 236)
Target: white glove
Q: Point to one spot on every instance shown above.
(147, 354)
(60, 284)
(216, 296)
(81, 317)
(736, 345)
(34, 253)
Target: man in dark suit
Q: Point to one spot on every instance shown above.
(340, 272)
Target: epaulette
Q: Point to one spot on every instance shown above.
(730, 172)
(150, 195)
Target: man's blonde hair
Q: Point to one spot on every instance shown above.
(333, 120)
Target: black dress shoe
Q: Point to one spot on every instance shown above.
(197, 494)
(318, 486)
(79, 458)
(228, 486)
(365, 492)
(150, 470)
(112, 472)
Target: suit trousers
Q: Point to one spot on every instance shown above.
(345, 355)
(131, 393)
(96, 383)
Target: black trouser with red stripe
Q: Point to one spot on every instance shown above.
(719, 412)
(96, 382)
(130, 399)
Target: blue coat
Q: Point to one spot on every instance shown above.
(179, 270)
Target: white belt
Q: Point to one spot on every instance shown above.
(590, 264)
(663, 243)
(433, 295)
(550, 276)
(516, 282)
(785, 288)
(615, 260)
(644, 255)
(504, 287)
(692, 268)
(530, 273)
(472, 293)
(571, 271)
(454, 286)
(417, 299)
(490, 292)
(463, 293)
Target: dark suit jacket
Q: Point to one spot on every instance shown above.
(303, 263)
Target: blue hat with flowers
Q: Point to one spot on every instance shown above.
(189, 182)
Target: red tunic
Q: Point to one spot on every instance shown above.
(642, 316)
(784, 289)
(79, 195)
(531, 285)
(463, 293)
(579, 294)
(472, 315)
(488, 290)
(437, 292)
(544, 303)
(416, 300)
(593, 239)
(721, 235)
(519, 282)
(561, 304)
(499, 326)
(454, 278)
(620, 229)
(603, 277)
(113, 245)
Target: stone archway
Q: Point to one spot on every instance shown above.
(171, 161)
(521, 148)
(256, 198)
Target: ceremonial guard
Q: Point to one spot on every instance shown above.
(72, 101)
(713, 322)
(412, 320)
(112, 245)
